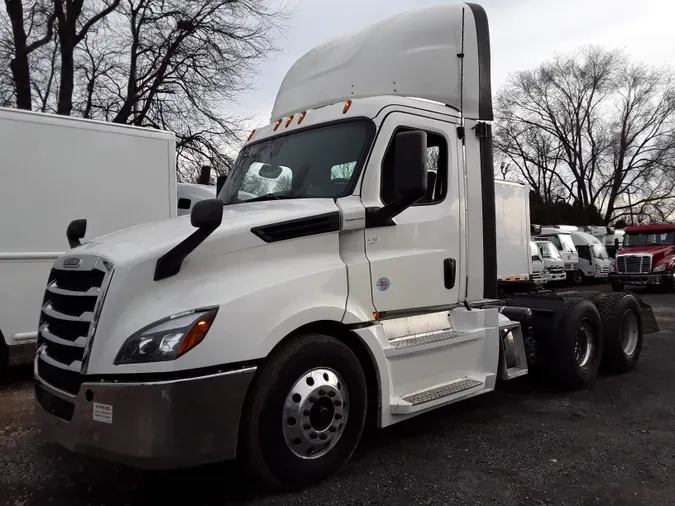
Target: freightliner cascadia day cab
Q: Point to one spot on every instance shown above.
(54, 169)
(360, 289)
(647, 257)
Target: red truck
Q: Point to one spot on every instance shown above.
(647, 257)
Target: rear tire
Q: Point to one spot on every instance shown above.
(576, 351)
(305, 413)
(622, 332)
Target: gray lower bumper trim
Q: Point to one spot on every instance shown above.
(162, 425)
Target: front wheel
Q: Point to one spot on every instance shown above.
(305, 413)
(577, 277)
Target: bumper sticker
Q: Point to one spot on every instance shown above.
(103, 413)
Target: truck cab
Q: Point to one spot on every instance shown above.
(361, 288)
(594, 260)
(562, 240)
(554, 265)
(646, 258)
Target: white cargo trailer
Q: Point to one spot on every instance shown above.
(55, 169)
(512, 210)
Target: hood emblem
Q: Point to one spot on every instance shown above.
(72, 262)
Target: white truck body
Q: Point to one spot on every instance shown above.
(54, 170)
(593, 257)
(512, 209)
(271, 328)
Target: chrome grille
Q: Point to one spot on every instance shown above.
(634, 264)
(70, 311)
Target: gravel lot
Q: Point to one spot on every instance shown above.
(518, 445)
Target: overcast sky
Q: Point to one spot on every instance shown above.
(523, 34)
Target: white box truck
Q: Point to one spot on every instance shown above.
(360, 290)
(55, 169)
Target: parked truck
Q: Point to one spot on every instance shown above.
(363, 290)
(54, 169)
(646, 258)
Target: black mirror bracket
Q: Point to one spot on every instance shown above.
(206, 216)
(384, 216)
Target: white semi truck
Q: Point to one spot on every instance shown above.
(274, 328)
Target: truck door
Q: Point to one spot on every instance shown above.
(414, 264)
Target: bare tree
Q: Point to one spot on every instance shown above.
(74, 22)
(30, 30)
(588, 127)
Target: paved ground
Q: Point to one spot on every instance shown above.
(518, 445)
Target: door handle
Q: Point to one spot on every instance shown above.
(449, 272)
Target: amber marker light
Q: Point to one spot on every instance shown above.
(196, 333)
(348, 104)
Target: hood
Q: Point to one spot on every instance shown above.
(151, 240)
(658, 251)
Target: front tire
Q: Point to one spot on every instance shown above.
(577, 349)
(305, 413)
(622, 332)
(577, 277)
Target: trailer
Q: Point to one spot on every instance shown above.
(360, 289)
(54, 170)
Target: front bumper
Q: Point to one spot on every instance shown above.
(663, 278)
(555, 276)
(153, 425)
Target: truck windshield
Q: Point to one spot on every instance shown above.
(649, 239)
(567, 243)
(315, 163)
(548, 250)
(600, 252)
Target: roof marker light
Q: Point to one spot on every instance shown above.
(302, 116)
(250, 135)
(348, 104)
(290, 118)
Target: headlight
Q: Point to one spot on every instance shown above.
(660, 268)
(167, 339)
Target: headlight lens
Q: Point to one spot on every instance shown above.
(660, 268)
(167, 339)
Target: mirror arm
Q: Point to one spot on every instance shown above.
(384, 216)
(170, 263)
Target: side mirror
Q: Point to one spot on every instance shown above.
(410, 178)
(535, 230)
(207, 214)
(220, 182)
(75, 231)
(184, 203)
(410, 165)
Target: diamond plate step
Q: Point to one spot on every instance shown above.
(418, 401)
(515, 372)
(427, 340)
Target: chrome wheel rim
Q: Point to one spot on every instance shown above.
(629, 332)
(315, 413)
(583, 343)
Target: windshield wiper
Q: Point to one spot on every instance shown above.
(269, 196)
